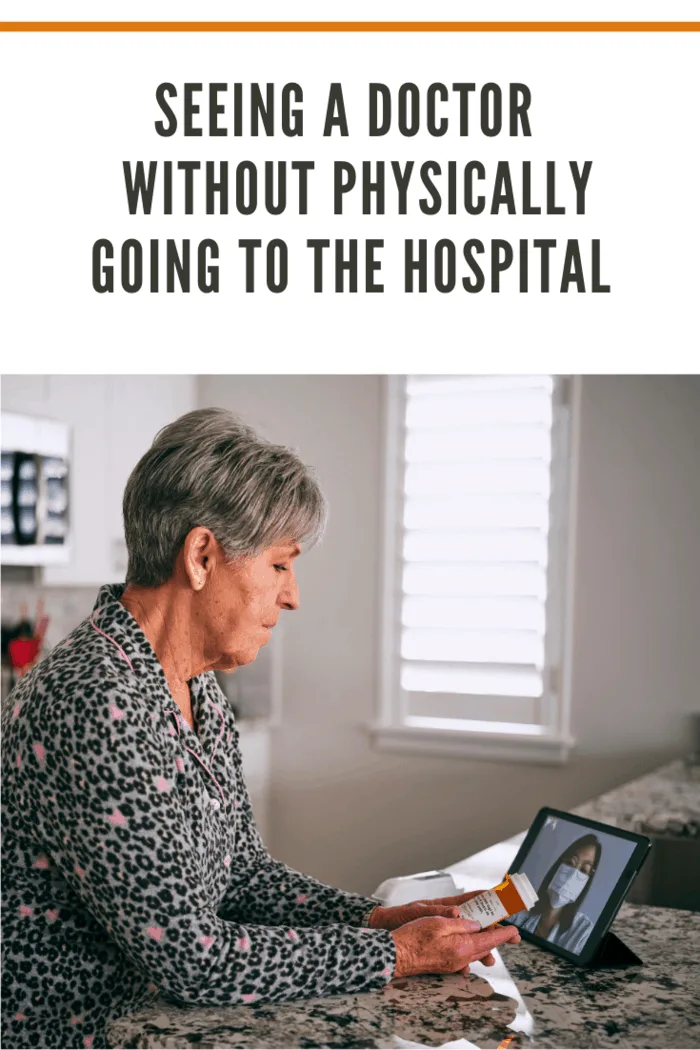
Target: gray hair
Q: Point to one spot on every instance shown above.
(209, 468)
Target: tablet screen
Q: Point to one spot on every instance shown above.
(574, 872)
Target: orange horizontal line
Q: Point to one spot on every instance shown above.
(349, 27)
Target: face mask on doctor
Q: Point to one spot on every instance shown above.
(566, 886)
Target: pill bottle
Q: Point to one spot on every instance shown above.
(512, 895)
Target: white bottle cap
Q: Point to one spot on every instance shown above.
(525, 890)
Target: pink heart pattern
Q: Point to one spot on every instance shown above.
(75, 760)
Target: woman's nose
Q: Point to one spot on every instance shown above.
(289, 595)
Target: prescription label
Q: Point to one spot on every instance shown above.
(485, 909)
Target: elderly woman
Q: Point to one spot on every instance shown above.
(132, 864)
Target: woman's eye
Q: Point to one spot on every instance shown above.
(281, 568)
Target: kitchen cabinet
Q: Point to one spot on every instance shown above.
(254, 737)
(113, 421)
(81, 401)
(24, 394)
(35, 455)
(137, 408)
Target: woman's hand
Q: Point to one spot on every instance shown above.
(438, 945)
(392, 918)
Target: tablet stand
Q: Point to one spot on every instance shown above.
(613, 953)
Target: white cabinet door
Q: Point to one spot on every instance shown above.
(137, 408)
(255, 756)
(81, 402)
(114, 420)
(26, 395)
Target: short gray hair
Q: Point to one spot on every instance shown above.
(209, 468)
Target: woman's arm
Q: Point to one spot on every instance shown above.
(266, 891)
(99, 795)
(278, 895)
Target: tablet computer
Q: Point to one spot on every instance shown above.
(581, 871)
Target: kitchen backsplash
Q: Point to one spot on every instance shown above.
(250, 690)
(65, 606)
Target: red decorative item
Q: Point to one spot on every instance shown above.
(23, 652)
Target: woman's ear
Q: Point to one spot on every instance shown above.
(199, 555)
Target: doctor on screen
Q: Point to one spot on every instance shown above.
(559, 915)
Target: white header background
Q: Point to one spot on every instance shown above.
(77, 105)
(414, 10)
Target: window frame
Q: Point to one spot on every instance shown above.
(551, 741)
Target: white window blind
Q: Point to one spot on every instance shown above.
(477, 591)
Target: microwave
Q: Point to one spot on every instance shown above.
(34, 490)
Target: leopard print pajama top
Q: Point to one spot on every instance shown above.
(132, 865)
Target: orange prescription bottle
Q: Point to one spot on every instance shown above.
(512, 895)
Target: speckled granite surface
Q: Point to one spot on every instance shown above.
(407, 1012)
(532, 999)
(665, 802)
(653, 1005)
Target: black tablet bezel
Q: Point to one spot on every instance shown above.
(617, 896)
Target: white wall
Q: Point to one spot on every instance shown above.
(638, 587)
(351, 815)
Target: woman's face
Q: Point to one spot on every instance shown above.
(583, 859)
(244, 602)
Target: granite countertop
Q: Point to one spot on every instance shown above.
(531, 998)
(665, 802)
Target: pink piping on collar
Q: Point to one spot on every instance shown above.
(195, 755)
(177, 721)
(114, 642)
(218, 785)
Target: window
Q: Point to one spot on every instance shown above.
(476, 565)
